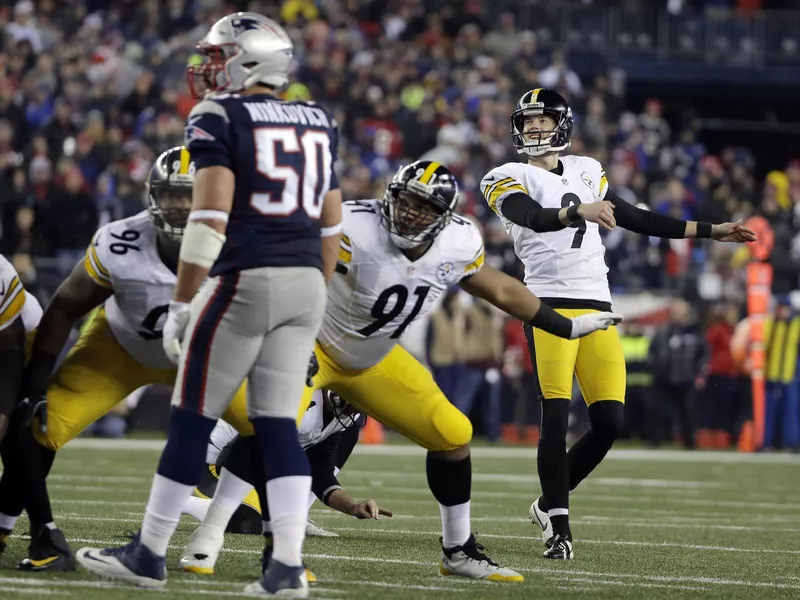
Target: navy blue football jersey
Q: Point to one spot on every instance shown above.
(282, 155)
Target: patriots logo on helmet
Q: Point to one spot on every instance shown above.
(241, 25)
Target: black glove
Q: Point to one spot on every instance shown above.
(313, 369)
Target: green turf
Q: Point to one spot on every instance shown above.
(649, 526)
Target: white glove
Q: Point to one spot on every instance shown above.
(175, 327)
(586, 324)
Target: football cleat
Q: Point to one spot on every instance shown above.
(266, 559)
(471, 561)
(314, 530)
(541, 519)
(559, 548)
(133, 563)
(203, 550)
(48, 551)
(281, 581)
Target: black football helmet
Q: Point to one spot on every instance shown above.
(169, 191)
(343, 412)
(546, 102)
(419, 203)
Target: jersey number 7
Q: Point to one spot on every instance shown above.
(572, 199)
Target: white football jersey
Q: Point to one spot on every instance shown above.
(377, 292)
(569, 263)
(15, 302)
(123, 256)
(313, 430)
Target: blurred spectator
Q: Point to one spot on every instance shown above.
(636, 349)
(520, 410)
(559, 76)
(782, 415)
(718, 423)
(444, 344)
(678, 357)
(74, 219)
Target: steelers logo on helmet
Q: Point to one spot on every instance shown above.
(527, 134)
(169, 191)
(419, 203)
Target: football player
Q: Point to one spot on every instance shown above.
(328, 433)
(553, 208)
(265, 223)
(129, 269)
(20, 313)
(397, 257)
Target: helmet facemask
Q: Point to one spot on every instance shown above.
(537, 143)
(414, 214)
(212, 74)
(344, 413)
(170, 203)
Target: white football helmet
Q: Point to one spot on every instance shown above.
(240, 50)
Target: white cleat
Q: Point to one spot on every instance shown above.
(133, 563)
(471, 562)
(314, 530)
(203, 550)
(541, 519)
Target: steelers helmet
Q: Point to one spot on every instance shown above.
(169, 191)
(345, 413)
(545, 102)
(411, 223)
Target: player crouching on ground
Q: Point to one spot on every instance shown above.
(19, 316)
(328, 433)
(129, 270)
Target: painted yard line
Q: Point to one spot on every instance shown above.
(586, 541)
(542, 570)
(98, 478)
(613, 582)
(643, 455)
(38, 592)
(401, 586)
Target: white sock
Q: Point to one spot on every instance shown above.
(288, 515)
(231, 492)
(167, 499)
(197, 507)
(558, 512)
(8, 521)
(51, 525)
(455, 524)
(266, 527)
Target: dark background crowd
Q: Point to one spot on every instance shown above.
(688, 105)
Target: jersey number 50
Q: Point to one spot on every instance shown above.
(303, 187)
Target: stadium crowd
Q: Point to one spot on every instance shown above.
(91, 91)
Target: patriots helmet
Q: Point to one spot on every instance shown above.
(240, 50)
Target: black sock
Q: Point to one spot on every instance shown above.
(34, 463)
(607, 419)
(258, 475)
(11, 488)
(552, 462)
(450, 481)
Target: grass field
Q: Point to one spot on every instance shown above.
(649, 524)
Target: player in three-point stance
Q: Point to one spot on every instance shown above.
(396, 258)
(553, 208)
(265, 223)
(129, 272)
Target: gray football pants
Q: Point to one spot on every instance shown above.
(258, 324)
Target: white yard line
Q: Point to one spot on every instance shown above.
(644, 455)
(614, 582)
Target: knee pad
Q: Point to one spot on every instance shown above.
(453, 426)
(608, 419)
(555, 419)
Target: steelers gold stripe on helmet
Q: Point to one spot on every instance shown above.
(428, 173)
(184, 170)
(535, 94)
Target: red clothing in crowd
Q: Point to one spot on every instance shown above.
(515, 340)
(719, 337)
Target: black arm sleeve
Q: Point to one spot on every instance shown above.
(523, 210)
(645, 222)
(347, 441)
(322, 458)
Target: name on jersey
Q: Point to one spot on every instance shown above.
(273, 112)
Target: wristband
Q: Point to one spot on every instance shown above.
(572, 213)
(550, 321)
(703, 229)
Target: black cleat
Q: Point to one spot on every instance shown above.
(48, 551)
(559, 548)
